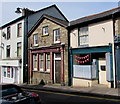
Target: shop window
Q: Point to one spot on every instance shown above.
(48, 62)
(8, 33)
(8, 72)
(19, 49)
(8, 51)
(35, 39)
(83, 36)
(45, 30)
(41, 62)
(35, 62)
(56, 33)
(19, 30)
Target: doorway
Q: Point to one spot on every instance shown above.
(102, 72)
(57, 67)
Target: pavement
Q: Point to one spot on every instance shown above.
(88, 91)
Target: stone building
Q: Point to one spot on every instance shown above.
(48, 51)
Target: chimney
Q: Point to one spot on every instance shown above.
(26, 11)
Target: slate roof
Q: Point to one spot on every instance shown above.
(95, 16)
(53, 19)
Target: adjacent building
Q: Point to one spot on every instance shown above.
(93, 49)
(48, 51)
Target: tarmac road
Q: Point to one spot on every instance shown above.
(49, 97)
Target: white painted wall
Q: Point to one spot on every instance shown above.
(74, 38)
(100, 34)
(13, 60)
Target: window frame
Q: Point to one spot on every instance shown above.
(55, 31)
(19, 47)
(8, 47)
(41, 60)
(45, 31)
(8, 33)
(35, 41)
(47, 59)
(19, 30)
(83, 35)
(35, 60)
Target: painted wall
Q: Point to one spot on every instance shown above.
(101, 33)
(13, 60)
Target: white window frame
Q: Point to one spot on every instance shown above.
(83, 36)
(41, 69)
(56, 33)
(35, 36)
(47, 70)
(8, 47)
(35, 60)
(45, 30)
(19, 49)
(19, 30)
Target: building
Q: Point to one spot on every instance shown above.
(48, 51)
(93, 54)
(14, 43)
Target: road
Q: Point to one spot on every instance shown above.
(63, 98)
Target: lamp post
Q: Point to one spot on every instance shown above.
(25, 12)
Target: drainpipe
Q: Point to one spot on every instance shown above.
(113, 52)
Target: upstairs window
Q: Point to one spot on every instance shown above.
(56, 33)
(83, 36)
(35, 39)
(19, 47)
(19, 30)
(8, 51)
(45, 30)
(8, 33)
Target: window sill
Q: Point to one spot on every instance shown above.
(35, 45)
(45, 35)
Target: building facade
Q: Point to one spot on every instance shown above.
(93, 50)
(48, 51)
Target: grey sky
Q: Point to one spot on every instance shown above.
(72, 10)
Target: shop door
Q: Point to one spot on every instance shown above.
(57, 70)
(102, 72)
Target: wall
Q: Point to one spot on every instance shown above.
(101, 33)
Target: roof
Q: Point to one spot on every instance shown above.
(95, 16)
(53, 19)
(22, 17)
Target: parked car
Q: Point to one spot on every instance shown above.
(13, 94)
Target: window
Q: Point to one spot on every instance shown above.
(8, 72)
(41, 62)
(45, 30)
(56, 35)
(35, 62)
(35, 39)
(19, 30)
(83, 36)
(48, 62)
(8, 33)
(19, 49)
(4, 71)
(8, 51)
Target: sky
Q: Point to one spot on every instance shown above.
(71, 9)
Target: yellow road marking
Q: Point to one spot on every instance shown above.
(100, 98)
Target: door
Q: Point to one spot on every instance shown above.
(102, 72)
(57, 70)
